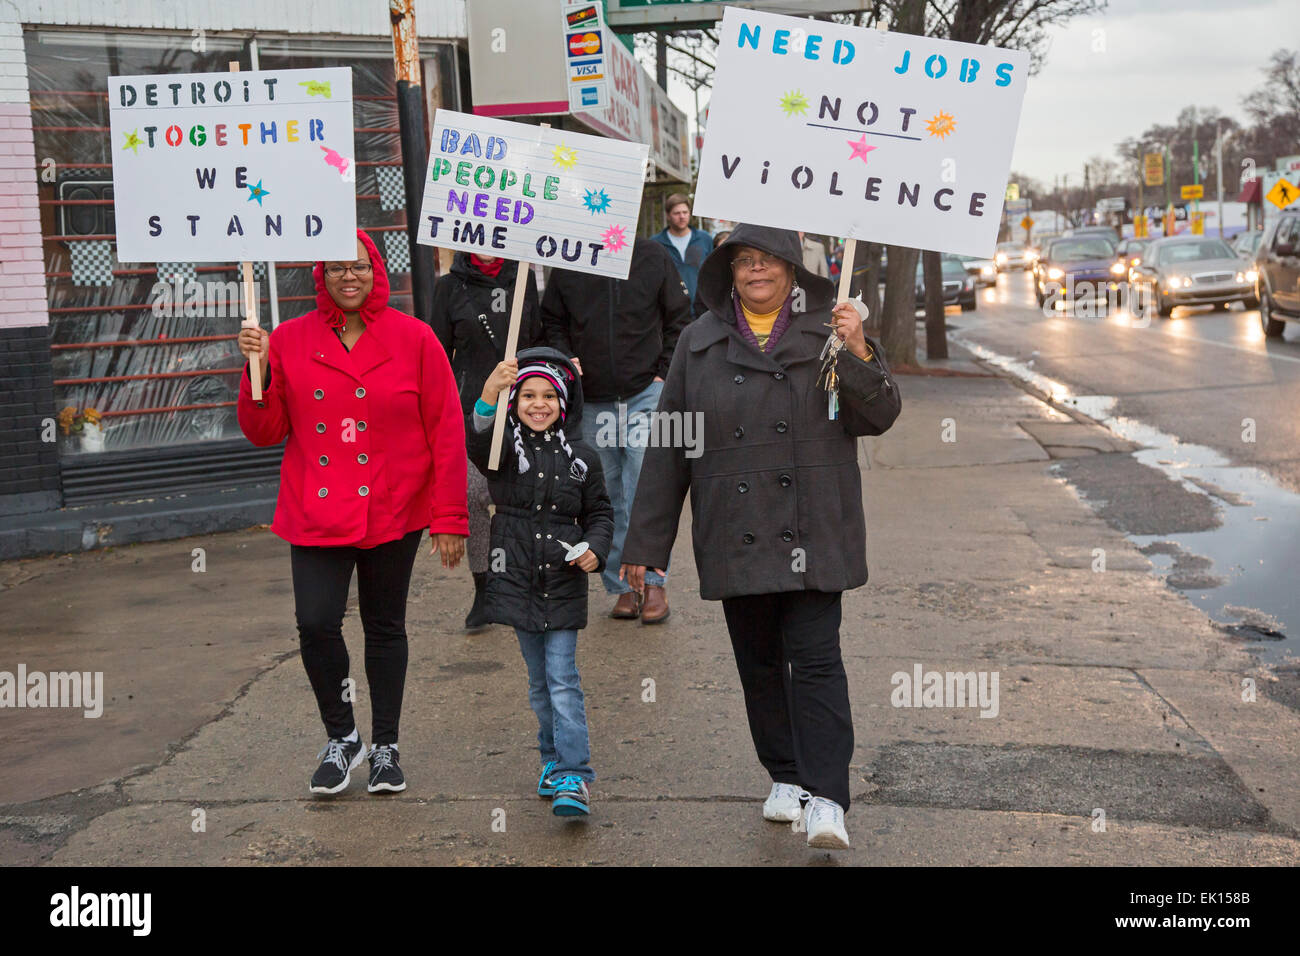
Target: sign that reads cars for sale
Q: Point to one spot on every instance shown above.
(860, 134)
(228, 167)
(532, 193)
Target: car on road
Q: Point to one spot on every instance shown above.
(1247, 243)
(1129, 255)
(958, 284)
(1079, 266)
(1108, 232)
(1277, 264)
(985, 271)
(1193, 270)
(1012, 255)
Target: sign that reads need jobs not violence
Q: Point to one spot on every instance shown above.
(530, 193)
(856, 133)
(228, 167)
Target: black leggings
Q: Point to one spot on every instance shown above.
(321, 577)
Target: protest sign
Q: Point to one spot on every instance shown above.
(860, 134)
(215, 167)
(531, 193)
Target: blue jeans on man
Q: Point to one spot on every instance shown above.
(621, 462)
(555, 693)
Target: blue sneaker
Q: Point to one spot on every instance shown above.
(572, 799)
(545, 783)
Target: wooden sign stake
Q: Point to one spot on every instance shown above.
(250, 306)
(846, 269)
(512, 339)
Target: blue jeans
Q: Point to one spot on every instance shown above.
(555, 693)
(621, 461)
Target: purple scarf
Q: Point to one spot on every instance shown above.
(778, 327)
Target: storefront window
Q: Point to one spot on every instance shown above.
(172, 378)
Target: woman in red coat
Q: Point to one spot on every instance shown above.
(375, 454)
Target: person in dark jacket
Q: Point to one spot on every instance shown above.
(621, 334)
(687, 246)
(550, 501)
(776, 503)
(471, 317)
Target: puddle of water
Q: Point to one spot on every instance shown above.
(1256, 549)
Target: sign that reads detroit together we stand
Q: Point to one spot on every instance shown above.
(530, 193)
(229, 167)
(856, 133)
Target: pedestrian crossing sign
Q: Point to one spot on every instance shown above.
(1283, 193)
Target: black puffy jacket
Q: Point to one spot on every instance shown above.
(471, 317)
(529, 584)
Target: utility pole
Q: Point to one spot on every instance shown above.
(415, 158)
(661, 60)
(1169, 200)
(1219, 140)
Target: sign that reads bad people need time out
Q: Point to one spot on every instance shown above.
(860, 134)
(531, 193)
(228, 167)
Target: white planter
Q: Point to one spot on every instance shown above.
(92, 437)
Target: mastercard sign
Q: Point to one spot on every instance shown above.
(584, 44)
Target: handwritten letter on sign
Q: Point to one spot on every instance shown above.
(860, 134)
(228, 167)
(538, 195)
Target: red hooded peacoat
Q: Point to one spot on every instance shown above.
(376, 440)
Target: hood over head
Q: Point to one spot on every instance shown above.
(715, 275)
(376, 302)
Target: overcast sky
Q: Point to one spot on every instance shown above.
(1156, 57)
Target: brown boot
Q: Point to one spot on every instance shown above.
(627, 607)
(655, 609)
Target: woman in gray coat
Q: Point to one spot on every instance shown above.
(776, 502)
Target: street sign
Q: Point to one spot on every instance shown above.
(1153, 169)
(1026, 223)
(1013, 192)
(1193, 192)
(1283, 193)
(584, 40)
(1198, 223)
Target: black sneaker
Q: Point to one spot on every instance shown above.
(338, 760)
(385, 774)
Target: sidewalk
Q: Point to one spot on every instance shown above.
(1115, 694)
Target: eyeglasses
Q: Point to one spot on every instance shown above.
(357, 269)
(765, 261)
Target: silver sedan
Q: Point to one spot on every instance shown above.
(1193, 270)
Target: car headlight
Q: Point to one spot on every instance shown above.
(1137, 261)
(1002, 258)
(1241, 277)
(1055, 273)
(1117, 269)
(986, 270)
(1252, 275)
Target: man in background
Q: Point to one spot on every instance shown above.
(814, 256)
(686, 246)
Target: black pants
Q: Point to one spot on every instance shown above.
(321, 577)
(787, 650)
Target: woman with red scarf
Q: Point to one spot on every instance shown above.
(375, 453)
(471, 316)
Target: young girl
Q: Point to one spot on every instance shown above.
(550, 499)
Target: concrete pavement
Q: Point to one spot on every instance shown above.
(1115, 695)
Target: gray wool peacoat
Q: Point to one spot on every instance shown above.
(776, 493)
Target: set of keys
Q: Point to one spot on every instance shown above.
(828, 378)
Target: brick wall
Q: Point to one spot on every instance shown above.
(29, 466)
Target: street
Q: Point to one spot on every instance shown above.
(1213, 399)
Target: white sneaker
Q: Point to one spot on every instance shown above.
(782, 804)
(824, 821)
